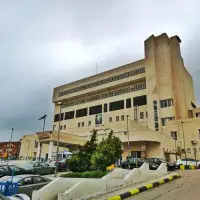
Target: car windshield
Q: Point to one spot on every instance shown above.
(29, 165)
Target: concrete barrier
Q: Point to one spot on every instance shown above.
(51, 190)
(90, 188)
(143, 173)
(117, 173)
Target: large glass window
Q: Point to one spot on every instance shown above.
(81, 112)
(105, 107)
(95, 110)
(116, 105)
(128, 103)
(140, 101)
(69, 115)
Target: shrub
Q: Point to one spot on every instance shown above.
(92, 174)
(107, 152)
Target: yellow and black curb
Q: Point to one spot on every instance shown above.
(143, 188)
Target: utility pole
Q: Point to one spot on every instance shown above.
(58, 140)
(184, 142)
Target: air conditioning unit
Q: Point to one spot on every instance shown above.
(194, 142)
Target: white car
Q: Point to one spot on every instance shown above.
(15, 197)
(190, 161)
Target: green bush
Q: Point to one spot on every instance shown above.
(107, 152)
(92, 174)
(80, 162)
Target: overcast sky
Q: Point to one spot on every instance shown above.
(47, 43)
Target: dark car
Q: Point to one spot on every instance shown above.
(137, 162)
(41, 168)
(7, 170)
(62, 165)
(158, 161)
(28, 183)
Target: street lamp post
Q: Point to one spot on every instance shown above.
(184, 141)
(58, 139)
(12, 130)
(127, 130)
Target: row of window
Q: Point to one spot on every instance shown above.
(155, 106)
(116, 105)
(104, 81)
(105, 95)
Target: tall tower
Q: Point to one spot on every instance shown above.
(167, 80)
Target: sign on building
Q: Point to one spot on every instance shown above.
(98, 119)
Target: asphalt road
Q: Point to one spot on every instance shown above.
(185, 188)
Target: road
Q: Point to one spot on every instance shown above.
(185, 188)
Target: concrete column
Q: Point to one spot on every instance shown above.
(50, 150)
(38, 151)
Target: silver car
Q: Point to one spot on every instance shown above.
(28, 183)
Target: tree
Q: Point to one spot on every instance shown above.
(107, 152)
(80, 162)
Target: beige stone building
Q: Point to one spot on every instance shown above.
(144, 103)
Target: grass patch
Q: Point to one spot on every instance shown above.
(93, 174)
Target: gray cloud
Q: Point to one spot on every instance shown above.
(47, 43)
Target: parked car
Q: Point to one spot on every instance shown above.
(190, 161)
(41, 168)
(15, 197)
(137, 162)
(7, 170)
(27, 183)
(158, 161)
(62, 165)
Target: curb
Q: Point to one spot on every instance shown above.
(144, 188)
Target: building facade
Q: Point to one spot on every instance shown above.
(142, 102)
(9, 149)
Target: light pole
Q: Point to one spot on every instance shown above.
(28, 149)
(12, 130)
(184, 142)
(56, 168)
(127, 130)
(44, 118)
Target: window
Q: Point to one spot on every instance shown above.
(174, 135)
(128, 103)
(105, 107)
(69, 115)
(95, 110)
(79, 124)
(140, 101)
(117, 118)
(164, 120)
(188, 150)
(146, 114)
(199, 133)
(82, 123)
(195, 150)
(35, 144)
(54, 127)
(38, 179)
(116, 105)
(61, 127)
(44, 164)
(64, 127)
(89, 123)
(141, 115)
(166, 103)
(16, 169)
(57, 116)
(122, 118)
(197, 114)
(26, 181)
(81, 112)
(110, 119)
